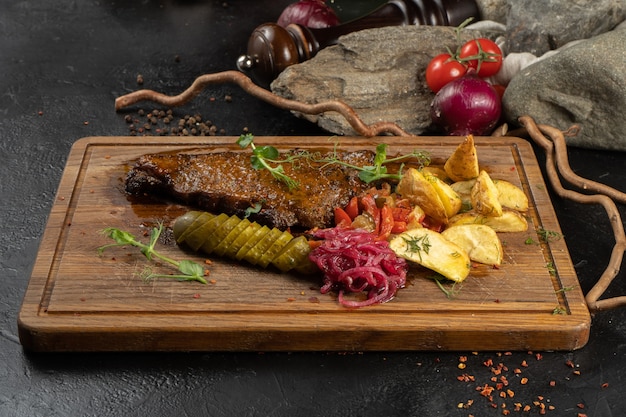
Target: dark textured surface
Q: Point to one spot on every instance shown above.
(63, 63)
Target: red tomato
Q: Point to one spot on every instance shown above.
(482, 54)
(441, 70)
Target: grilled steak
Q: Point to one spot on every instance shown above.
(226, 182)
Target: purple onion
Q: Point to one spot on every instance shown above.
(309, 13)
(467, 105)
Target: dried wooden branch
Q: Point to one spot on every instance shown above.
(256, 91)
(556, 156)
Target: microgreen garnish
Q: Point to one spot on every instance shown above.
(189, 270)
(264, 156)
(267, 157)
(253, 209)
(378, 171)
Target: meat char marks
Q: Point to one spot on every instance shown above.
(226, 182)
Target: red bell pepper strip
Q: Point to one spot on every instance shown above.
(352, 209)
(386, 223)
(342, 219)
(369, 206)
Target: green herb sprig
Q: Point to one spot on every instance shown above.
(264, 156)
(189, 270)
(378, 171)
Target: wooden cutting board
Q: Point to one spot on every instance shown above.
(77, 300)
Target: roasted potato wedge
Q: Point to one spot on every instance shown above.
(437, 172)
(450, 199)
(481, 242)
(511, 196)
(415, 187)
(431, 250)
(510, 221)
(464, 191)
(463, 163)
(484, 196)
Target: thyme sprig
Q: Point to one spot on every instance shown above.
(189, 270)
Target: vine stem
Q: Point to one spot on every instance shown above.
(556, 156)
(261, 93)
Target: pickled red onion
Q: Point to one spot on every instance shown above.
(353, 261)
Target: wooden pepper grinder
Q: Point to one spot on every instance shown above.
(272, 48)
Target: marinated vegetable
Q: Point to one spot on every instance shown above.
(240, 239)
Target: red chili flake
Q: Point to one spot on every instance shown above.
(569, 363)
(576, 372)
(291, 299)
(510, 393)
(466, 378)
(581, 415)
(196, 295)
(580, 405)
(488, 363)
(539, 356)
(553, 383)
(512, 168)
(40, 113)
(462, 358)
(517, 371)
(213, 281)
(605, 385)
(524, 381)
(524, 364)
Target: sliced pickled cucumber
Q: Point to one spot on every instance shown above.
(241, 240)
(221, 249)
(306, 267)
(200, 219)
(182, 223)
(219, 233)
(293, 254)
(254, 254)
(254, 239)
(277, 246)
(196, 238)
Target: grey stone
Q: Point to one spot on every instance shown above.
(584, 84)
(494, 10)
(539, 26)
(378, 72)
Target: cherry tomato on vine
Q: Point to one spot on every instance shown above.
(482, 54)
(441, 70)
